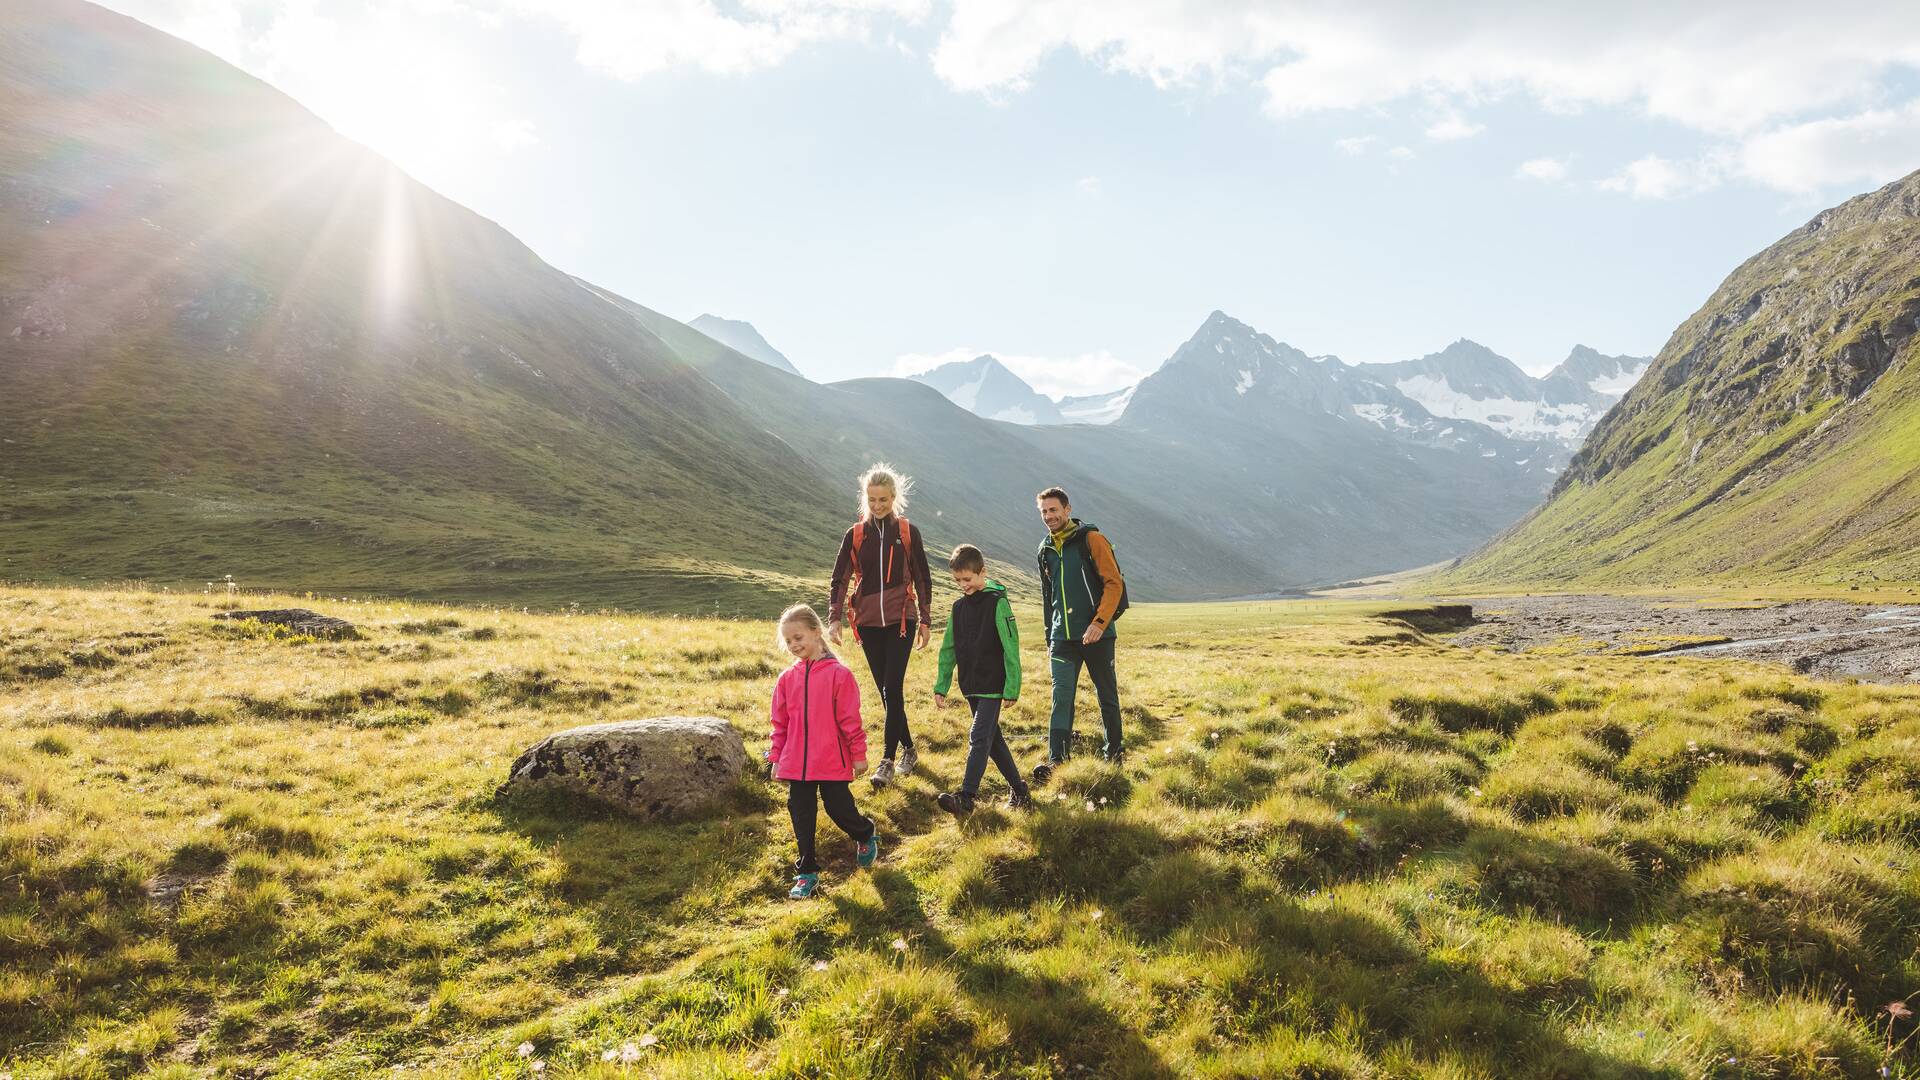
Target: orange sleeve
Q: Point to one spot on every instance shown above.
(1109, 570)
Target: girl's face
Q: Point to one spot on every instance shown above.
(879, 500)
(802, 640)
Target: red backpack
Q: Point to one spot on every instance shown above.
(886, 566)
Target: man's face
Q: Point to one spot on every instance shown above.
(970, 581)
(1055, 513)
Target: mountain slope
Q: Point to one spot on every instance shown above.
(1095, 408)
(236, 343)
(1775, 437)
(1318, 464)
(1468, 381)
(984, 387)
(743, 339)
(976, 479)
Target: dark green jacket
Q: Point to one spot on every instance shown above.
(983, 642)
(1079, 582)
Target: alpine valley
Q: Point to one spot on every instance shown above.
(235, 343)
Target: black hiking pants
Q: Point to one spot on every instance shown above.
(887, 650)
(803, 805)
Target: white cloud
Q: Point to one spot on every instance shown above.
(1055, 376)
(1453, 126)
(1871, 148)
(1355, 144)
(630, 41)
(1089, 185)
(1725, 66)
(1401, 153)
(1655, 177)
(1545, 169)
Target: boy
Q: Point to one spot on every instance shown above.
(983, 643)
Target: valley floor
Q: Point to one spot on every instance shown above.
(1834, 639)
(1338, 847)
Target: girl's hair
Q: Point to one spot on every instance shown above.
(802, 613)
(881, 474)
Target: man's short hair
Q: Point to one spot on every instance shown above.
(1054, 493)
(967, 557)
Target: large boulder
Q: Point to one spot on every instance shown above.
(661, 768)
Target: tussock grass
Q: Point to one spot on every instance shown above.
(1333, 850)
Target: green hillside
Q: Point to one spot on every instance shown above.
(1775, 439)
(232, 342)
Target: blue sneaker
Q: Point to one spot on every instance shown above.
(803, 886)
(867, 852)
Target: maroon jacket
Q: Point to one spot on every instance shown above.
(895, 585)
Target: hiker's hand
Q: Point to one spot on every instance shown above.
(939, 701)
(860, 767)
(1094, 633)
(833, 632)
(925, 634)
(767, 773)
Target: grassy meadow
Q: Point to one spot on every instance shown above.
(1338, 848)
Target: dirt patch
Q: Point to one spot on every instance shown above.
(1826, 638)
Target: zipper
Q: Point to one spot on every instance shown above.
(806, 709)
(883, 560)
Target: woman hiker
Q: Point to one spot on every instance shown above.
(881, 586)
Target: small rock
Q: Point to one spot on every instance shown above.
(661, 768)
(300, 621)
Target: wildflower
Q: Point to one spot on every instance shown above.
(539, 1066)
(649, 1039)
(526, 1049)
(1692, 746)
(609, 1054)
(1097, 915)
(1089, 804)
(629, 1053)
(899, 944)
(1898, 1010)
(819, 965)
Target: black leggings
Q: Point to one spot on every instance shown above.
(887, 650)
(804, 808)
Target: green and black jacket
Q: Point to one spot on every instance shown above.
(983, 643)
(1080, 582)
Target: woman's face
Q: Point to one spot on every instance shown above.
(803, 640)
(879, 500)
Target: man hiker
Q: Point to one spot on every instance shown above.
(1082, 593)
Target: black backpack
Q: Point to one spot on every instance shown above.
(1080, 537)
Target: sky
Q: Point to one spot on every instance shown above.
(1074, 185)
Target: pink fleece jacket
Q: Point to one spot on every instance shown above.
(817, 731)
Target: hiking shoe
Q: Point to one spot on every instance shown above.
(958, 804)
(1042, 773)
(803, 886)
(867, 852)
(1020, 800)
(909, 757)
(882, 774)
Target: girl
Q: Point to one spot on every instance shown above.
(884, 562)
(819, 744)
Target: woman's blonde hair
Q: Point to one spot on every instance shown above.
(803, 613)
(881, 474)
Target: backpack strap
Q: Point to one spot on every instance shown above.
(906, 553)
(859, 534)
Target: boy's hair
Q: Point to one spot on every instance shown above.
(800, 613)
(881, 474)
(1054, 493)
(966, 557)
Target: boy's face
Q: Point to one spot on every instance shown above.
(970, 581)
